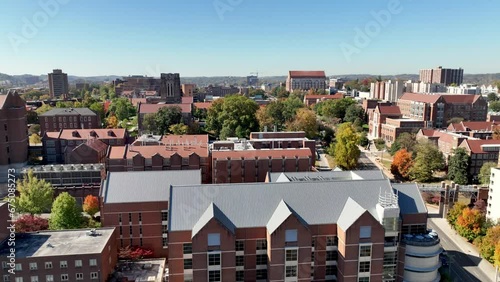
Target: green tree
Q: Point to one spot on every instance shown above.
(35, 128)
(255, 92)
(346, 148)
(178, 129)
(149, 123)
(280, 92)
(122, 108)
(35, 139)
(404, 141)
(290, 107)
(234, 116)
(485, 172)
(336, 108)
(457, 167)
(304, 121)
(35, 195)
(44, 108)
(31, 117)
(494, 106)
(454, 212)
(98, 108)
(355, 114)
(200, 114)
(492, 97)
(363, 139)
(166, 117)
(65, 213)
(428, 160)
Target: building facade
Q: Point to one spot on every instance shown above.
(305, 80)
(386, 90)
(68, 118)
(311, 99)
(393, 127)
(58, 84)
(13, 133)
(480, 152)
(378, 116)
(188, 89)
(170, 87)
(442, 75)
(493, 207)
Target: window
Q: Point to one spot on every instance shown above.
(6, 278)
(240, 260)
(240, 275)
(34, 278)
(164, 242)
(64, 277)
(291, 271)
(261, 244)
(164, 229)
(365, 251)
(93, 275)
(214, 276)
(365, 232)
(313, 242)
(261, 259)
(129, 217)
(261, 274)
(291, 255)
(19, 267)
(331, 255)
(331, 270)
(49, 278)
(213, 239)
(79, 276)
(92, 262)
(364, 266)
(140, 217)
(331, 241)
(364, 279)
(19, 279)
(291, 235)
(164, 216)
(33, 266)
(188, 263)
(240, 245)
(48, 265)
(120, 217)
(63, 264)
(213, 258)
(188, 248)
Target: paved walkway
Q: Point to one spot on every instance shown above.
(369, 154)
(466, 247)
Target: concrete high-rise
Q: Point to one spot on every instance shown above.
(441, 75)
(58, 83)
(170, 87)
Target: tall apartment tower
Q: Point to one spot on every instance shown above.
(58, 83)
(13, 133)
(441, 75)
(170, 87)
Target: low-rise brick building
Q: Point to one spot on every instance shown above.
(393, 127)
(144, 109)
(378, 117)
(477, 129)
(480, 152)
(68, 118)
(311, 99)
(446, 141)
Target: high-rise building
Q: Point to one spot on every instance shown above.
(13, 132)
(58, 83)
(441, 75)
(170, 87)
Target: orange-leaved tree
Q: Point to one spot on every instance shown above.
(91, 205)
(402, 163)
(470, 224)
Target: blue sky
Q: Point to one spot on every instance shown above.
(237, 37)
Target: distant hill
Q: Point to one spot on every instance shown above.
(21, 80)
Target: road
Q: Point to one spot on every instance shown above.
(463, 267)
(364, 163)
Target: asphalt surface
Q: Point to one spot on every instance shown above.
(462, 267)
(364, 163)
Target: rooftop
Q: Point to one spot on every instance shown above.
(69, 111)
(473, 126)
(262, 153)
(145, 186)
(311, 176)
(166, 151)
(67, 167)
(143, 270)
(59, 243)
(476, 146)
(154, 108)
(319, 74)
(261, 200)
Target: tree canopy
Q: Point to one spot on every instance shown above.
(334, 108)
(402, 163)
(65, 213)
(355, 114)
(494, 106)
(492, 97)
(305, 120)
(178, 129)
(458, 165)
(31, 223)
(470, 224)
(485, 172)
(35, 195)
(122, 108)
(91, 205)
(166, 117)
(429, 159)
(346, 152)
(404, 141)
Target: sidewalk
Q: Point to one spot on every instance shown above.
(372, 158)
(465, 247)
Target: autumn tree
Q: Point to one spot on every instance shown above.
(178, 129)
(91, 205)
(44, 108)
(485, 172)
(35, 139)
(112, 121)
(470, 224)
(496, 256)
(489, 242)
(346, 151)
(304, 121)
(454, 212)
(429, 159)
(65, 213)
(134, 253)
(31, 223)
(35, 195)
(402, 163)
(458, 166)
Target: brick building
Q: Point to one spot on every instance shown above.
(269, 232)
(378, 117)
(144, 109)
(305, 80)
(283, 140)
(445, 141)
(136, 204)
(393, 127)
(56, 144)
(68, 118)
(437, 109)
(58, 84)
(4, 224)
(65, 255)
(441, 75)
(89, 152)
(188, 89)
(311, 100)
(477, 129)
(480, 152)
(13, 133)
(168, 156)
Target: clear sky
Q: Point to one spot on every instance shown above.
(237, 37)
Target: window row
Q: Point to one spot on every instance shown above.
(48, 264)
(50, 277)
